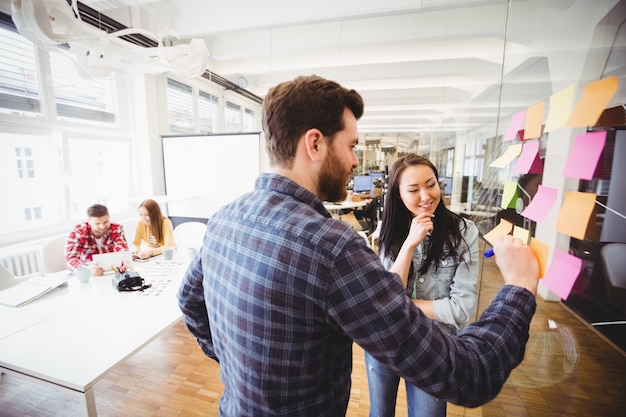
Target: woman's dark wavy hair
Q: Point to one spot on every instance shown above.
(396, 219)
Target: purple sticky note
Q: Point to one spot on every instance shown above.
(516, 124)
(541, 204)
(584, 155)
(525, 161)
(562, 273)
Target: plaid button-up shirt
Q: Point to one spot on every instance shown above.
(280, 290)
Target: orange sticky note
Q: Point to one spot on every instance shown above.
(503, 228)
(596, 97)
(541, 251)
(575, 212)
(534, 117)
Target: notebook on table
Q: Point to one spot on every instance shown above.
(110, 260)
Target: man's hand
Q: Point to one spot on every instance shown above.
(517, 262)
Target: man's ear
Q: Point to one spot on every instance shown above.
(314, 139)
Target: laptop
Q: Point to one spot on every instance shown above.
(110, 260)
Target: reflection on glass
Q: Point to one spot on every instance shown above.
(551, 356)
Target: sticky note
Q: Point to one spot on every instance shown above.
(575, 212)
(516, 123)
(584, 155)
(560, 108)
(562, 273)
(503, 228)
(510, 154)
(530, 151)
(541, 251)
(541, 204)
(596, 96)
(534, 118)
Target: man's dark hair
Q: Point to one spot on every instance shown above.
(97, 210)
(291, 108)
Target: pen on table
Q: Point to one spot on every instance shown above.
(489, 253)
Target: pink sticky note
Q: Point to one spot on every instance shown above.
(562, 273)
(527, 157)
(516, 123)
(541, 204)
(583, 158)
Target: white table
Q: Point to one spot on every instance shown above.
(345, 205)
(72, 338)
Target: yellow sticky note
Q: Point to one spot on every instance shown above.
(503, 228)
(522, 234)
(575, 212)
(596, 97)
(510, 154)
(541, 250)
(534, 119)
(509, 195)
(560, 108)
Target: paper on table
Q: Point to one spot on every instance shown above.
(575, 212)
(584, 155)
(562, 273)
(31, 289)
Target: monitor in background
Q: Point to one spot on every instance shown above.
(362, 184)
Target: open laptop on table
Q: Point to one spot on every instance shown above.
(110, 260)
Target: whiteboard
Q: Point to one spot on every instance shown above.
(203, 173)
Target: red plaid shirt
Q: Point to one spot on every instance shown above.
(81, 245)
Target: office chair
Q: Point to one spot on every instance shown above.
(613, 256)
(53, 255)
(7, 279)
(368, 216)
(189, 235)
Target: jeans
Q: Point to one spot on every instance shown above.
(383, 389)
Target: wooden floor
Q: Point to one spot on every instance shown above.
(569, 370)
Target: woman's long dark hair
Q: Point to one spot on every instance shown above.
(396, 219)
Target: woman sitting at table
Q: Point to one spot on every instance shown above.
(153, 233)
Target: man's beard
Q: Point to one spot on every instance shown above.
(332, 178)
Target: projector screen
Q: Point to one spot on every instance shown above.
(203, 173)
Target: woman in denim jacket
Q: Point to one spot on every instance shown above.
(435, 253)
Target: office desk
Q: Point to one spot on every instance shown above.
(87, 331)
(345, 205)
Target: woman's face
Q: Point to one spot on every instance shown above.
(419, 189)
(143, 214)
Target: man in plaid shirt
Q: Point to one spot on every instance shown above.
(96, 235)
(280, 289)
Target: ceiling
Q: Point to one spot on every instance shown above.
(428, 70)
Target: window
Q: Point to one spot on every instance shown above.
(25, 164)
(209, 113)
(180, 107)
(19, 85)
(32, 213)
(232, 117)
(77, 97)
(249, 121)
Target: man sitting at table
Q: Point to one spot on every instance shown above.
(96, 235)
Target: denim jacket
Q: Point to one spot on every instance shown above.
(453, 286)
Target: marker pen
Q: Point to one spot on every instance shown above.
(489, 253)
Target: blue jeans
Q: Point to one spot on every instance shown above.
(383, 388)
